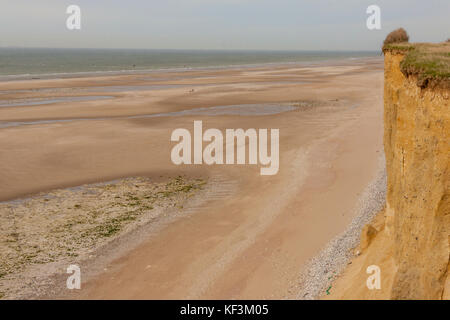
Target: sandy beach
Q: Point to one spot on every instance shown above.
(244, 235)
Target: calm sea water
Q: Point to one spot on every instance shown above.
(27, 61)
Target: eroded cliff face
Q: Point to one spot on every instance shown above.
(410, 240)
(416, 141)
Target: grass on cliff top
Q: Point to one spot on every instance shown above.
(430, 62)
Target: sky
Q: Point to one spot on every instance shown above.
(219, 24)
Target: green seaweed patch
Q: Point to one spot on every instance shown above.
(111, 226)
(328, 290)
(88, 221)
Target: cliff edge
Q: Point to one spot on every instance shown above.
(409, 241)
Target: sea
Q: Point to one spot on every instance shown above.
(17, 63)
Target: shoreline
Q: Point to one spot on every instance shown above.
(124, 72)
(323, 269)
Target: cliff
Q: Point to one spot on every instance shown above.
(410, 239)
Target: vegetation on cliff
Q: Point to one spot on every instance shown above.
(429, 62)
(396, 36)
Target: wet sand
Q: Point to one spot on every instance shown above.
(249, 243)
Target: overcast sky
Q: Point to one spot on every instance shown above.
(219, 24)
